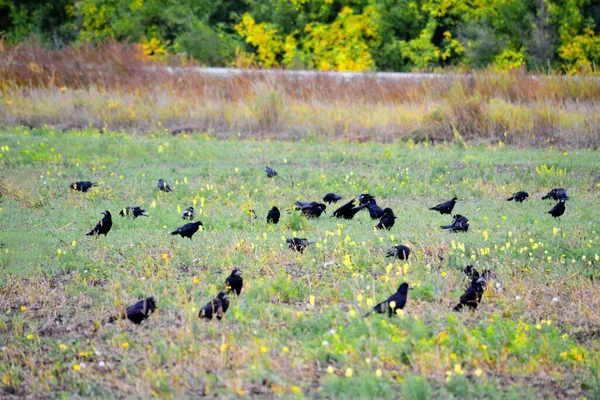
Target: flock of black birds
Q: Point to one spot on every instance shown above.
(312, 209)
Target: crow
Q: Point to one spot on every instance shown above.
(374, 210)
(365, 198)
(103, 226)
(401, 252)
(188, 230)
(164, 186)
(310, 209)
(137, 312)
(273, 215)
(234, 282)
(395, 302)
(556, 194)
(347, 211)
(558, 209)
(216, 307)
(133, 211)
(446, 207)
(270, 172)
(82, 186)
(387, 219)
(188, 214)
(458, 224)
(331, 198)
(519, 197)
(298, 244)
(473, 294)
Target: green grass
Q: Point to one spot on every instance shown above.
(298, 314)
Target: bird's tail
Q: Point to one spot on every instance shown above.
(368, 313)
(94, 184)
(511, 199)
(175, 232)
(90, 233)
(458, 307)
(446, 226)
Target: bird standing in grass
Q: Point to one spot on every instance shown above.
(133, 211)
(310, 209)
(556, 194)
(392, 304)
(164, 186)
(82, 186)
(446, 207)
(558, 209)
(474, 293)
(387, 219)
(188, 214)
(519, 197)
(331, 198)
(273, 215)
(347, 211)
(270, 172)
(234, 282)
(188, 230)
(459, 224)
(374, 210)
(103, 226)
(298, 244)
(400, 252)
(216, 307)
(140, 310)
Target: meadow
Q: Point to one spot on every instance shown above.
(297, 330)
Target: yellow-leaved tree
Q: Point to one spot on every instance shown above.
(345, 44)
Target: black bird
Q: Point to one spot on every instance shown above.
(273, 215)
(137, 312)
(472, 296)
(270, 172)
(188, 214)
(558, 209)
(374, 210)
(164, 186)
(188, 230)
(459, 223)
(556, 194)
(395, 302)
(387, 219)
(103, 226)
(446, 207)
(310, 209)
(133, 211)
(216, 307)
(347, 211)
(298, 244)
(140, 310)
(519, 197)
(234, 282)
(82, 186)
(365, 198)
(401, 252)
(331, 198)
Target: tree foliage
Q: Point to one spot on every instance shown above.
(348, 35)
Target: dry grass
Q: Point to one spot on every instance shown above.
(115, 88)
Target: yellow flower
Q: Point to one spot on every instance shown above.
(73, 243)
(295, 389)
(77, 367)
(263, 349)
(125, 345)
(349, 372)
(286, 350)
(330, 370)
(30, 336)
(196, 281)
(378, 372)
(63, 88)
(63, 346)
(23, 308)
(444, 274)
(478, 372)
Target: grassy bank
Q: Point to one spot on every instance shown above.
(113, 88)
(297, 329)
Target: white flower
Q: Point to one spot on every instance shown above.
(332, 331)
(555, 299)
(518, 298)
(325, 343)
(102, 364)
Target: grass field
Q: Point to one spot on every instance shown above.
(297, 329)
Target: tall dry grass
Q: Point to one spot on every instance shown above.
(116, 87)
